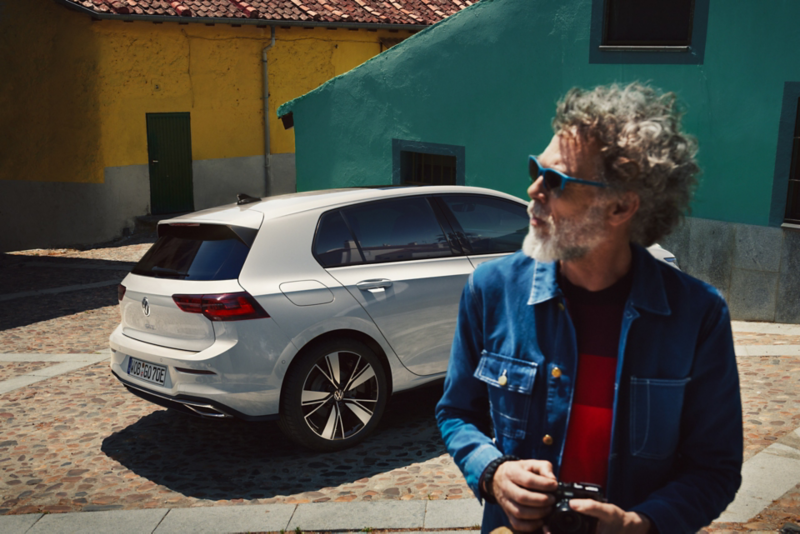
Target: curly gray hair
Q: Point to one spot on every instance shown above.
(642, 148)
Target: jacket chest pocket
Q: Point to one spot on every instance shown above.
(510, 385)
(656, 407)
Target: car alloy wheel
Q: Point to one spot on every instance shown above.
(334, 395)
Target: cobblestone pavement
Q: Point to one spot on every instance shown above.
(79, 441)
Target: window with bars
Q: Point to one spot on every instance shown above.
(418, 168)
(792, 214)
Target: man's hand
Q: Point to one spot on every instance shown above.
(518, 487)
(612, 519)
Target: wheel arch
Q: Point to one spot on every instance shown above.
(366, 339)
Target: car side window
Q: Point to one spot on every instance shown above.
(488, 225)
(397, 230)
(334, 245)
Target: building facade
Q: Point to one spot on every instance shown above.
(466, 101)
(113, 110)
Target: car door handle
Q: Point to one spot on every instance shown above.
(380, 283)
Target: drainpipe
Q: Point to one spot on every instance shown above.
(267, 149)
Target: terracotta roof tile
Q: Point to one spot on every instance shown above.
(413, 12)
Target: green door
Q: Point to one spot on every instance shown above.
(169, 149)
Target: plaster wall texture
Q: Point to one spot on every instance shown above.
(217, 181)
(488, 78)
(74, 95)
(283, 174)
(756, 268)
(46, 214)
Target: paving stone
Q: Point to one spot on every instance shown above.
(224, 519)
(359, 515)
(80, 441)
(117, 522)
(765, 478)
(13, 524)
(454, 514)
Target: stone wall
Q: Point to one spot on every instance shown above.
(756, 268)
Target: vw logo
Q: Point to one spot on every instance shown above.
(146, 307)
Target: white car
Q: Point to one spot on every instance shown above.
(311, 308)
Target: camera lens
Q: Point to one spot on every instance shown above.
(564, 520)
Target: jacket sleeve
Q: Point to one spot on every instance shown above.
(708, 469)
(463, 412)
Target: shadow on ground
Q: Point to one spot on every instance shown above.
(232, 459)
(20, 275)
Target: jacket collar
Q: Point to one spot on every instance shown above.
(647, 291)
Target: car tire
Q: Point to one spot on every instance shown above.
(334, 395)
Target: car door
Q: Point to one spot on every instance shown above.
(487, 227)
(407, 275)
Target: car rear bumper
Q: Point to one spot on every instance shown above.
(229, 378)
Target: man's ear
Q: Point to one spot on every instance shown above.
(623, 208)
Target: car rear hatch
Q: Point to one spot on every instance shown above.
(192, 268)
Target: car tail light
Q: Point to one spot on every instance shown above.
(120, 292)
(222, 307)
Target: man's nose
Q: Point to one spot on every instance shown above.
(537, 191)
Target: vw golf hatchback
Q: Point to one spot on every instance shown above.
(312, 308)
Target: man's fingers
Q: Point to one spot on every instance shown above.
(515, 508)
(602, 511)
(525, 497)
(533, 475)
(539, 467)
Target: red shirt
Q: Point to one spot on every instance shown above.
(597, 317)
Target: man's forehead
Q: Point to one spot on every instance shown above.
(573, 153)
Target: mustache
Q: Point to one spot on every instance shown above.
(538, 211)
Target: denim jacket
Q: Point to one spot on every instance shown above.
(676, 445)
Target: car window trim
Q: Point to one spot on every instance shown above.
(440, 209)
(453, 251)
(352, 235)
(457, 228)
(462, 237)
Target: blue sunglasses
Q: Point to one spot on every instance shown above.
(554, 180)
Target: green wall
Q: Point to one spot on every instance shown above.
(488, 78)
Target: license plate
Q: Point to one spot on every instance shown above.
(147, 371)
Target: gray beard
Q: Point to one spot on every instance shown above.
(571, 239)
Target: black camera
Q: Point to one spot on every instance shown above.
(565, 520)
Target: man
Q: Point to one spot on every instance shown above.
(582, 358)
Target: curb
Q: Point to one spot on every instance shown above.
(347, 517)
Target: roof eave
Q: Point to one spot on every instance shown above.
(240, 21)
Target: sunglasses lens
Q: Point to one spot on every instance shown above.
(533, 169)
(552, 180)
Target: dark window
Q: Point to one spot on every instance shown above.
(423, 163)
(197, 252)
(397, 230)
(334, 245)
(418, 168)
(489, 225)
(793, 198)
(648, 23)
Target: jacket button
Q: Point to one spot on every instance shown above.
(561, 306)
(502, 380)
(556, 372)
(547, 439)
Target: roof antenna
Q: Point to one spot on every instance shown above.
(243, 198)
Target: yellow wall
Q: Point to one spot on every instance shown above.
(49, 123)
(77, 91)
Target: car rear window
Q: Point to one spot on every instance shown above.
(197, 252)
